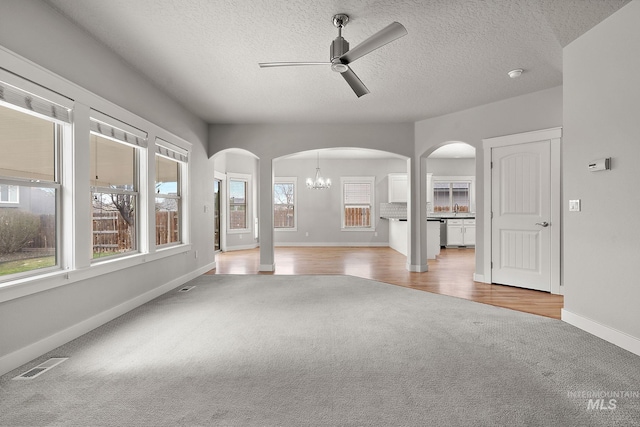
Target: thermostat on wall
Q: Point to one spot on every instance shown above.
(600, 165)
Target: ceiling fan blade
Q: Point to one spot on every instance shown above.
(391, 32)
(289, 64)
(356, 84)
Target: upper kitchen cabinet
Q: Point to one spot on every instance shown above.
(398, 188)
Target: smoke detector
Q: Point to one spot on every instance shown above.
(514, 74)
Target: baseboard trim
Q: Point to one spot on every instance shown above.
(340, 244)
(611, 335)
(417, 268)
(241, 248)
(26, 354)
(478, 278)
(267, 267)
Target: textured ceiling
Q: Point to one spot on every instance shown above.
(456, 55)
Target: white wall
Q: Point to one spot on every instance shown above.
(319, 211)
(602, 242)
(33, 324)
(534, 111)
(451, 167)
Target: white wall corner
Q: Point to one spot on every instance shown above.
(611, 335)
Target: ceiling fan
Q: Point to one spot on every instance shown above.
(341, 56)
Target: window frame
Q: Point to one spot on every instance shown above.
(371, 180)
(287, 180)
(175, 153)
(137, 167)
(246, 178)
(72, 109)
(62, 135)
(10, 203)
(450, 180)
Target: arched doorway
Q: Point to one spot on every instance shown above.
(451, 198)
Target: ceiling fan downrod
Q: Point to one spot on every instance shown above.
(339, 46)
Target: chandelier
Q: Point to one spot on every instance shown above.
(319, 183)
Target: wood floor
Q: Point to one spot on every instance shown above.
(451, 274)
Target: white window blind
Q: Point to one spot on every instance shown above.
(357, 193)
(171, 151)
(33, 102)
(104, 125)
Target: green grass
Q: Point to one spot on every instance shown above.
(97, 255)
(20, 266)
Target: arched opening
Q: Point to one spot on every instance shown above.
(345, 214)
(235, 197)
(451, 201)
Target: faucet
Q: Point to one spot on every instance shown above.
(456, 208)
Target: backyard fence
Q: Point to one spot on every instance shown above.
(167, 227)
(111, 233)
(357, 216)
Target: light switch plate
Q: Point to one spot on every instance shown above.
(574, 205)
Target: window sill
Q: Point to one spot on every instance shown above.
(357, 229)
(239, 231)
(33, 284)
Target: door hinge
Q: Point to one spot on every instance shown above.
(491, 215)
(491, 264)
(491, 165)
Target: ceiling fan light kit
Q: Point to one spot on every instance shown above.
(341, 56)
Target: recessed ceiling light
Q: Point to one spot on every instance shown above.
(515, 73)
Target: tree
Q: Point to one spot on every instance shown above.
(125, 204)
(17, 229)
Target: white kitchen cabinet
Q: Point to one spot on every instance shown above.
(454, 232)
(461, 232)
(469, 232)
(398, 236)
(398, 188)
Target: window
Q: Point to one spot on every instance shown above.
(238, 203)
(453, 194)
(32, 131)
(357, 203)
(8, 193)
(284, 199)
(170, 161)
(114, 187)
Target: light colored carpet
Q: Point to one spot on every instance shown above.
(324, 350)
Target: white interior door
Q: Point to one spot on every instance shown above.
(521, 210)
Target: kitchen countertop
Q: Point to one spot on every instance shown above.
(431, 218)
(404, 219)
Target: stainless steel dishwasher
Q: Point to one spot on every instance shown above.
(443, 232)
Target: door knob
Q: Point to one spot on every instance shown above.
(544, 224)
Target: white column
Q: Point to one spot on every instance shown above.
(417, 216)
(265, 214)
